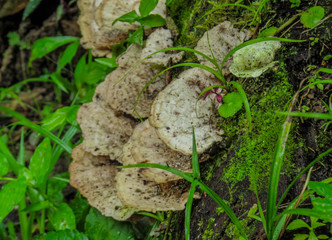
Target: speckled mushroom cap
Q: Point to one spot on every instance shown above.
(144, 146)
(222, 38)
(96, 21)
(94, 177)
(121, 96)
(104, 132)
(160, 39)
(173, 113)
(137, 191)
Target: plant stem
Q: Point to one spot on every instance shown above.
(24, 223)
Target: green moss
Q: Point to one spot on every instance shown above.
(254, 152)
(209, 233)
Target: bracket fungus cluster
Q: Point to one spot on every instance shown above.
(110, 126)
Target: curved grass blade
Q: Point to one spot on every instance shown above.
(211, 70)
(188, 208)
(308, 115)
(195, 164)
(316, 83)
(150, 215)
(301, 173)
(225, 207)
(245, 102)
(186, 176)
(247, 43)
(26, 122)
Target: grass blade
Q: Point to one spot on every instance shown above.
(225, 207)
(195, 164)
(26, 122)
(308, 115)
(316, 83)
(189, 207)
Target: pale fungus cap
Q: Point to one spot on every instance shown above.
(160, 39)
(222, 38)
(96, 21)
(173, 113)
(94, 177)
(122, 96)
(137, 191)
(104, 131)
(255, 59)
(144, 146)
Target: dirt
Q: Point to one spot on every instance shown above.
(297, 59)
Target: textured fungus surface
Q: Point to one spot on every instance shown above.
(173, 113)
(96, 21)
(94, 177)
(104, 132)
(220, 40)
(144, 146)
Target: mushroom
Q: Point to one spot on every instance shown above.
(137, 191)
(255, 59)
(94, 177)
(104, 131)
(173, 113)
(220, 40)
(144, 146)
(96, 21)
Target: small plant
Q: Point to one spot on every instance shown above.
(312, 16)
(298, 223)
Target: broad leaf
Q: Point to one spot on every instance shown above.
(128, 17)
(10, 195)
(40, 161)
(300, 236)
(153, 20)
(55, 186)
(43, 46)
(64, 234)
(4, 166)
(32, 5)
(312, 17)
(136, 37)
(62, 217)
(147, 6)
(59, 117)
(232, 103)
(80, 207)
(298, 223)
(37, 206)
(68, 55)
(99, 227)
(323, 189)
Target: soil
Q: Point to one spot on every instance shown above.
(301, 61)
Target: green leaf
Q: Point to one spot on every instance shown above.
(232, 103)
(4, 150)
(312, 236)
(323, 205)
(195, 164)
(59, 117)
(300, 236)
(147, 6)
(80, 207)
(128, 17)
(189, 207)
(4, 166)
(99, 227)
(43, 46)
(68, 55)
(153, 20)
(40, 161)
(308, 115)
(323, 237)
(10, 195)
(136, 37)
(269, 32)
(55, 186)
(108, 62)
(32, 5)
(298, 223)
(64, 234)
(323, 189)
(37, 206)
(168, 2)
(312, 17)
(62, 217)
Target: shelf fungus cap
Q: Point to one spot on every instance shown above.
(104, 132)
(94, 177)
(144, 146)
(160, 39)
(220, 40)
(122, 96)
(255, 59)
(137, 191)
(173, 113)
(96, 20)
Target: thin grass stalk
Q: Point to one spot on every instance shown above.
(188, 208)
(195, 164)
